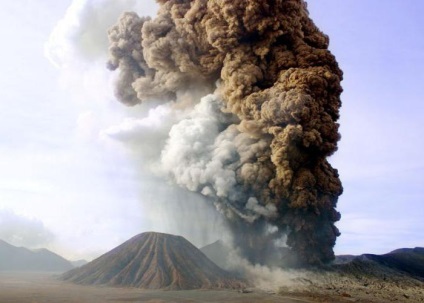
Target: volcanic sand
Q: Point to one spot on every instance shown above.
(46, 288)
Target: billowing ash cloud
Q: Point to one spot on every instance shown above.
(256, 143)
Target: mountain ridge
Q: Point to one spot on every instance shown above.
(14, 258)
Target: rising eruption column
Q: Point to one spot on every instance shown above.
(274, 104)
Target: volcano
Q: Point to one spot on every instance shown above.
(154, 261)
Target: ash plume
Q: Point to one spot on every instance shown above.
(256, 145)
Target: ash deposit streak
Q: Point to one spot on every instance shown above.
(257, 143)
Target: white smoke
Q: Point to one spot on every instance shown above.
(196, 152)
(82, 32)
(204, 153)
(197, 148)
(169, 208)
(268, 210)
(147, 135)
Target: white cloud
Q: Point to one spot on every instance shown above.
(23, 231)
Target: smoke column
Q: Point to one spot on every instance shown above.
(251, 96)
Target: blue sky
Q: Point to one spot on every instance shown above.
(64, 186)
(380, 49)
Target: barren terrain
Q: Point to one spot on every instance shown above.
(310, 287)
(364, 286)
(46, 288)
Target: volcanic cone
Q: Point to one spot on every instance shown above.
(154, 261)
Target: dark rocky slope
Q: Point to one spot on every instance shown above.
(403, 261)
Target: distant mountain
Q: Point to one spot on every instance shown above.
(407, 260)
(403, 261)
(154, 261)
(419, 250)
(218, 252)
(79, 263)
(342, 259)
(14, 258)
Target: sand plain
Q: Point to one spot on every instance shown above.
(47, 288)
(323, 288)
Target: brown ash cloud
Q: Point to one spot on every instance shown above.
(257, 144)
